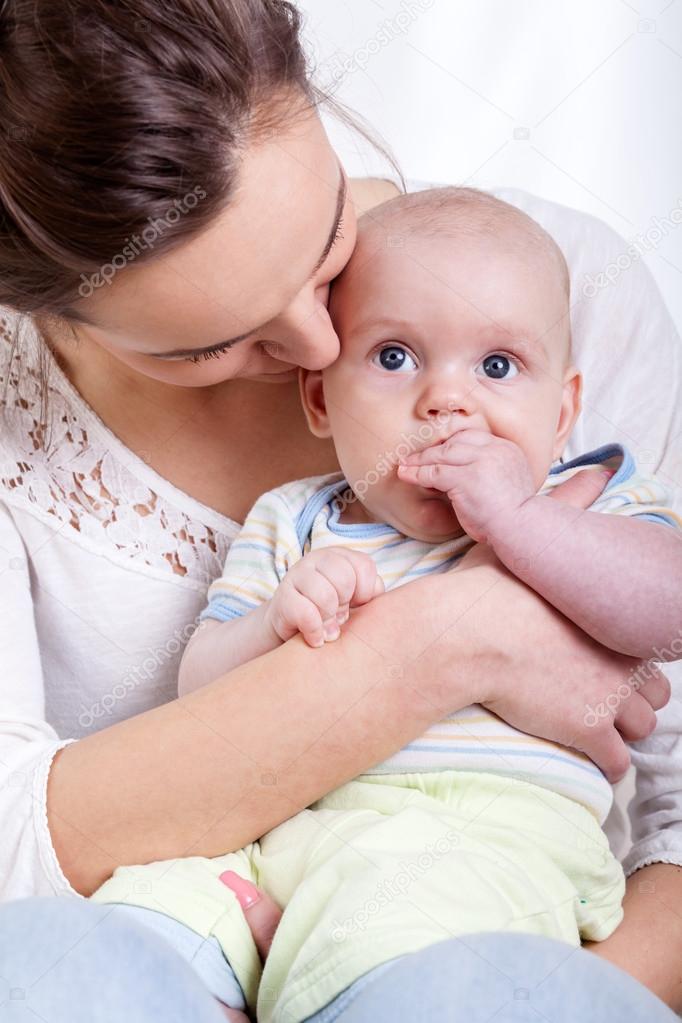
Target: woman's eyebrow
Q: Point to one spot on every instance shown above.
(341, 198)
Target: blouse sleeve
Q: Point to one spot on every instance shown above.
(28, 863)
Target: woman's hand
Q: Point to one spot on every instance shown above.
(647, 942)
(541, 673)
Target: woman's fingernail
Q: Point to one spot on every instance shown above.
(331, 631)
(608, 473)
(247, 893)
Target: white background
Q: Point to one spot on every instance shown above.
(579, 101)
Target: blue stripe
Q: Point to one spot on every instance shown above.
(659, 518)
(223, 610)
(598, 457)
(484, 751)
(244, 546)
(434, 569)
(304, 522)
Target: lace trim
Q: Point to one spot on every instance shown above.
(67, 469)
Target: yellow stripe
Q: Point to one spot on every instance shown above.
(525, 740)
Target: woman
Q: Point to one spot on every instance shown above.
(172, 216)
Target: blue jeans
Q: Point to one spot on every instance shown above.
(73, 961)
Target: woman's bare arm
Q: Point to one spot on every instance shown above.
(648, 942)
(218, 768)
(225, 764)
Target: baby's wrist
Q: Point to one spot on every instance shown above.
(512, 530)
(268, 618)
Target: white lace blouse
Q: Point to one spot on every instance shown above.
(104, 565)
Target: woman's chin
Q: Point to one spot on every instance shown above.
(286, 376)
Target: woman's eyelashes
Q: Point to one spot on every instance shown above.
(338, 234)
(213, 353)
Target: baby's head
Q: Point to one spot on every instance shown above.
(453, 312)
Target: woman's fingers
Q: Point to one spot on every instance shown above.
(657, 690)
(636, 719)
(583, 489)
(606, 747)
(262, 913)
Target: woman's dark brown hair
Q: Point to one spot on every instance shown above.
(114, 112)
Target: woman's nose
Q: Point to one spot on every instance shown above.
(305, 333)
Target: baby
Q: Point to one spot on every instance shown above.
(450, 404)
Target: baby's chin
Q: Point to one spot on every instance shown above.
(430, 519)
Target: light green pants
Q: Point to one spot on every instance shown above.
(387, 865)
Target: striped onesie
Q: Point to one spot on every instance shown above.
(472, 827)
(299, 517)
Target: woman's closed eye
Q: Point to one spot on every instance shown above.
(218, 350)
(212, 353)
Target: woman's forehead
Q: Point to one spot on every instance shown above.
(252, 259)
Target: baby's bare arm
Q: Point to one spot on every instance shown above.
(219, 647)
(618, 578)
(314, 599)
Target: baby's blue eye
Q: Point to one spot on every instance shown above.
(499, 367)
(395, 359)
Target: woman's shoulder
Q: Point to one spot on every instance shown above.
(370, 192)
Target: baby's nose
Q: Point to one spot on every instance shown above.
(445, 402)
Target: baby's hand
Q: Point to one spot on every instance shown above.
(488, 479)
(315, 596)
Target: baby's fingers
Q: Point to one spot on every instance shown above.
(436, 477)
(299, 614)
(354, 575)
(322, 594)
(460, 449)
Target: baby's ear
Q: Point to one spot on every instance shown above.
(570, 409)
(314, 406)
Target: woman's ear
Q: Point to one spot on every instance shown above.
(570, 409)
(314, 406)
